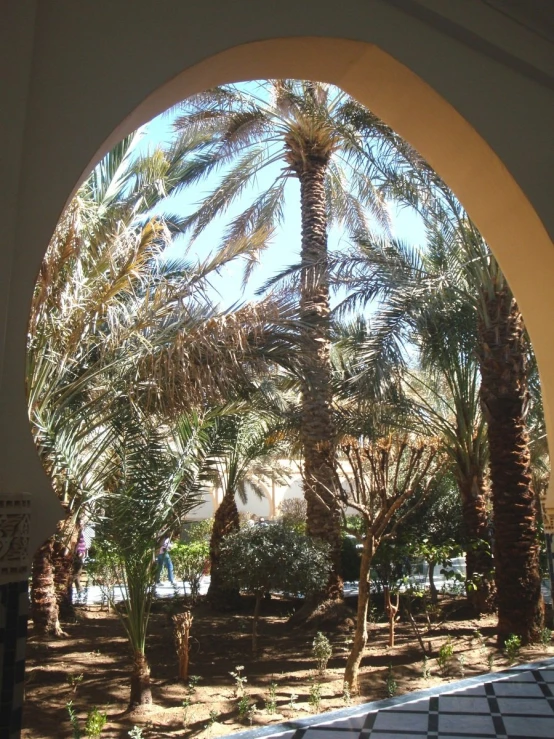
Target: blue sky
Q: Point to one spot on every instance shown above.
(285, 247)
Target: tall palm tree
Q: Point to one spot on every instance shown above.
(110, 319)
(502, 355)
(502, 352)
(319, 136)
(459, 272)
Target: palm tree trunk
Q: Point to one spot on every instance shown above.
(226, 520)
(504, 399)
(44, 605)
(141, 693)
(360, 637)
(317, 427)
(63, 560)
(479, 561)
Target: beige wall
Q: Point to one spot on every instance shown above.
(471, 89)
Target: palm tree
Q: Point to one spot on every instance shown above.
(109, 319)
(319, 135)
(502, 352)
(502, 355)
(154, 478)
(422, 338)
(248, 447)
(458, 277)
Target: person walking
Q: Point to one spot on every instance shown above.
(164, 560)
(78, 561)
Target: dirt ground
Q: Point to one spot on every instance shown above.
(96, 649)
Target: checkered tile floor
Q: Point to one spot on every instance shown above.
(515, 704)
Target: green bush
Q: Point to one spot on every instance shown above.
(293, 514)
(512, 645)
(322, 651)
(198, 531)
(189, 562)
(260, 559)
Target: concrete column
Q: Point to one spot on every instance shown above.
(15, 524)
(14, 606)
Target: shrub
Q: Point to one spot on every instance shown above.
(198, 531)
(512, 645)
(391, 684)
(189, 562)
(315, 697)
(259, 559)
(322, 651)
(350, 559)
(446, 652)
(293, 514)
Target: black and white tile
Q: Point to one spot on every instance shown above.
(515, 704)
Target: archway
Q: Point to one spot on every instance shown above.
(496, 202)
(451, 145)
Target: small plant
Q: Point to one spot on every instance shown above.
(213, 716)
(292, 701)
(446, 652)
(372, 615)
(322, 651)
(346, 697)
(240, 681)
(426, 672)
(246, 709)
(243, 706)
(187, 703)
(490, 660)
(74, 681)
(73, 720)
(391, 684)
(315, 697)
(271, 702)
(546, 637)
(193, 683)
(95, 723)
(136, 733)
(462, 663)
(512, 645)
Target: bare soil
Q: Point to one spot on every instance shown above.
(96, 649)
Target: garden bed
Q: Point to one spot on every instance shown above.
(97, 649)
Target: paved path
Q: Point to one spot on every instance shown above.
(514, 704)
(92, 595)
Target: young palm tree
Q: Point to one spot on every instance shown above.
(154, 479)
(319, 136)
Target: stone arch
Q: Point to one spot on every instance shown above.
(422, 116)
